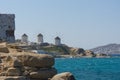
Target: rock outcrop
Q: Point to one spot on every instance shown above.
(20, 66)
(89, 53)
(82, 53)
(64, 76)
(36, 60)
(3, 47)
(12, 78)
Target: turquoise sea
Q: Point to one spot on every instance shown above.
(90, 68)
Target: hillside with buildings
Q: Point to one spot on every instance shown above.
(56, 49)
(107, 49)
(43, 47)
(7, 29)
(18, 62)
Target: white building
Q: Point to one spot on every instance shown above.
(57, 41)
(40, 38)
(24, 39)
(7, 27)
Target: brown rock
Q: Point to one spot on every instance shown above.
(63, 76)
(36, 60)
(11, 61)
(89, 53)
(4, 49)
(79, 51)
(43, 74)
(30, 65)
(2, 73)
(3, 55)
(76, 51)
(0, 60)
(30, 69)
(13, 72)
(12, 78)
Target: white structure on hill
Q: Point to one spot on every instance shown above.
(7, 27)
(40, 38)
(24, 39)
(57, 41)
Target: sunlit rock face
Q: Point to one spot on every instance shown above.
(7, 27)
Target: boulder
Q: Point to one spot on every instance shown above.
(11, 61)
(4, 50)
(0, 60)
(43, 74)
(12, 78)
(29, 66)
(2, 73)
(79, 51)
(64, 76)
(36, 60)
(3, 55)
(76, 51)
(13, 72)
(101, 55)
(89, 53)
(3, 47)
(29, 69)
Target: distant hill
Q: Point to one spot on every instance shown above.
(107, 49)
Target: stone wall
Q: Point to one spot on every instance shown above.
(7, 27)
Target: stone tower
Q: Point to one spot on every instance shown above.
(24, 39)
(7, 27)
(40, 38)
(57, 41)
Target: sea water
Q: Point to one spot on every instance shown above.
(90, 68)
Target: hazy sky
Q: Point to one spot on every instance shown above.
(79, 23)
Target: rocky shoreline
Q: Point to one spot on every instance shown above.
(77, 56)
(17, 65)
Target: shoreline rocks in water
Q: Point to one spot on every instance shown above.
(27, 66)
(63, 76)
(19, 65)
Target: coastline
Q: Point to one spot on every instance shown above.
(78, 56)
